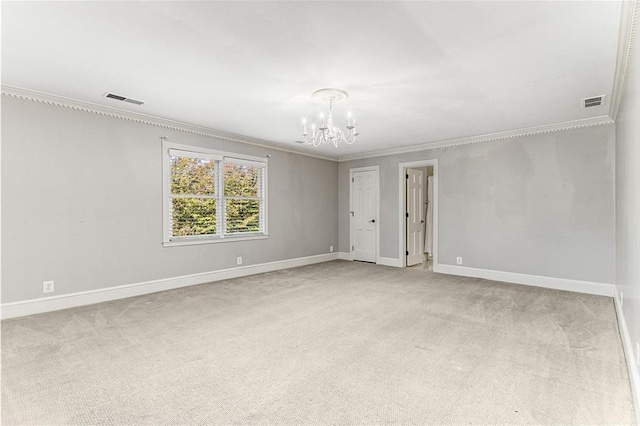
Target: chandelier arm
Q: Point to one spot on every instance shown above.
(351, 137)
(340, 137)
(316, 140)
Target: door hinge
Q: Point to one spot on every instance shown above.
(407, 252)
(407, 176)
(352, 180)
(352, 248)
(407, 214)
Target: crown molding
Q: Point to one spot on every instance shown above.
(74, 104)
(510, 134)
(59, 101)
(626, 40)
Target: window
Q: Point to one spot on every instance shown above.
(212, 196)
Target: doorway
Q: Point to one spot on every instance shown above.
(419, 219)
(364, 213)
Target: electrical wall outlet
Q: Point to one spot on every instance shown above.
(621, 299)
(330, 249)
(47, 287)
(459, 260)
(239, 260)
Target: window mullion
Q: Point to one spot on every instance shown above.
(221, 208)
(242, 198)
(193, 196)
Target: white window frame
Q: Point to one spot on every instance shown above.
(168, 239)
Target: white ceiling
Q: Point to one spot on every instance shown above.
(416, 72)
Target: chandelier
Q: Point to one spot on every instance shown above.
(328, 132)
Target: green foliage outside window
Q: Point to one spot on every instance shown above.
(192, 176)
(242, 215)
(193, 215)
(195, 198)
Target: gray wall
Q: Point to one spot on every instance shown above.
(628, 199)
(82, 204)
(539, 205)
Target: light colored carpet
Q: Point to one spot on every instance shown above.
(333, 343)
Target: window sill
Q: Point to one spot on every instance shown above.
(226, 239)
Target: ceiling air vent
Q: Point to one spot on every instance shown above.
(592, 102)
(123, 99)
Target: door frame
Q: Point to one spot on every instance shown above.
(402, 208)
(377, 207)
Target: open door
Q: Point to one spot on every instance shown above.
(415, 210)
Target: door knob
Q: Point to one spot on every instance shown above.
(372, 221)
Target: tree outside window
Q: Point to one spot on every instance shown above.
(197, 208)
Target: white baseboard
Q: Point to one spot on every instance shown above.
(599, 289)
(630, 355)
(344, 256)
(389, 261)
(64, 301)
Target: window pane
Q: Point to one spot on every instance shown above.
(193, 216)
(242, 216)
(192, 175)
(241, 180)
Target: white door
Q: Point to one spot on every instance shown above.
(364, 209)
(415, 216)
